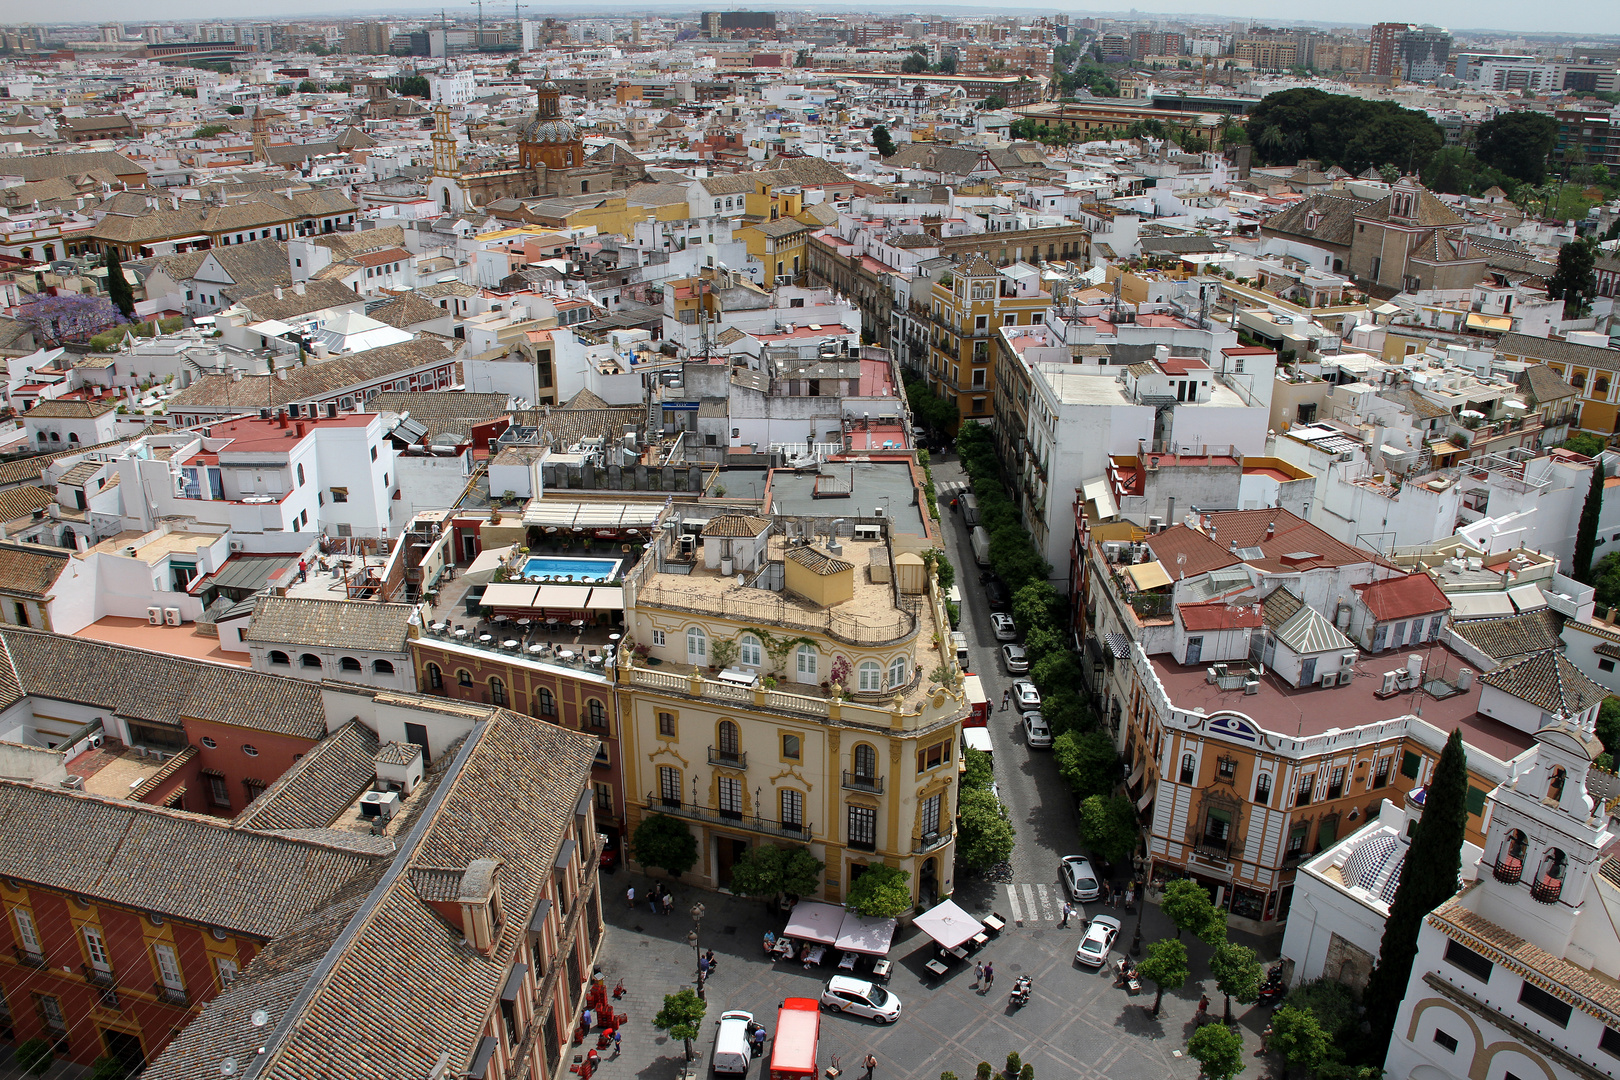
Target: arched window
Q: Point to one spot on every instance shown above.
(1578, 380)
(55, 437)
(73, 436)
(1262, 789)
(807, 663)
(897, 672)
(865, 762)
(729, 746)
(1550, 878)
(349, 663)
(1555, 786)
(1601, 387)
(1510, 860)
(463, 677)
(748, 651)
(497, 692)
(547, 703)
(697, 646)
(279, 658)
(382, 667)
(870, 675)
(309, 660)
(300, 475)
(596, 713)
(435, 676)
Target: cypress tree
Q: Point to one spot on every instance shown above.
(1586, 532)
(1429, 878)
(118, 290)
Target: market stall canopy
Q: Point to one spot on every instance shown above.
(859, 934)
(948, 924)
(814, 921)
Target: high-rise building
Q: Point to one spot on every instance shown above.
(1424, 52)
(1386, 40)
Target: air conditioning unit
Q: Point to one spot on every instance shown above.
(74, 783)
(95, 740)
(237, 545)
(1345, 676)
(171, 615)
(1391, 682)
(1331, 678)
(154, 615)
(379, 804)
(878, 511)
(1347, 659)
(1251, 687)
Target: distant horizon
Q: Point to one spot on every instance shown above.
(1582, 19)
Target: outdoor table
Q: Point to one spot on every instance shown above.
(461, 631)
(994, 922)
(566, 654)
(510, 643)
(525, 623)
(485, 639)
(593, 659)
(846, 962)
(537, 649)
(438, 627)
(936, 967)
(880, 970)
(578, 624)
(614, 637)
(959, 952)
(981, 939)
(813, 956)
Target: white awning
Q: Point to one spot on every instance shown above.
(1479, 605)
(977, 738)
(814, 921)
(1527, 597)
(1147, 797)
(605, 599)
(572, 597)
(1097, 492)
(948, 924)
(859, 934)
(505, 595)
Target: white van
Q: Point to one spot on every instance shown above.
(959, 643)
(731, 1050)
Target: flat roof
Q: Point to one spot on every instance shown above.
(874, 485)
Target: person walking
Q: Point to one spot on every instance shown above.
(616, 1046)
(703, 967)
(989, 977)
(1203, 1011)
(1067, 911)
(759, 1040)
(1006, 697)
(1265, 1037)
(978, 972)
(871, 1065)
(1130, 896)
(630, 898)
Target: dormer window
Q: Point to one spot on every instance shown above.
(1312, 220)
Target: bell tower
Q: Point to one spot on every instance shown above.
(445, 161)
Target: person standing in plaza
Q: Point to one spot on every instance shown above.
(1265, 1037)
(1130, 896)
(989, 977)
(1006, 697)
(630, 898)
(978, 972)
(871, 1065)
(1067, 911)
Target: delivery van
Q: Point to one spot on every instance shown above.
(731, 1050)
(978, 703)
(793, 1052)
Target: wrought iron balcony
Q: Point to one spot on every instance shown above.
(733, 759)
(169, 994)
(857, 782)
(751, 823)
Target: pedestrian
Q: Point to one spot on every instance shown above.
(759, 1041)
(703, 967)
(989, 977)
(653, 899)
(1107, 894)
(1067, 911)
(1203, 1010)
(1006, 696)
(630, 898)
(978, 972)
(592, 1061)
(709, 956)
(871, 1065)
(589, 1018)
(1130, 896)
(1265, 1037)
(669, 902)
(616, 1041)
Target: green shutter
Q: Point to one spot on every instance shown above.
(1328, 832)
(1476, 800)
(1411, 765)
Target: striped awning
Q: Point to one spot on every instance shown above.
(1119, 645)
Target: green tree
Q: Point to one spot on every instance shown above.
(769, 872)
(1584, 442)
(880, 892)
(1237, 974)
(665, 842)
(514, 66)
(1517, 143)
(1187, 905)
(118, 288)
(1608, 724)
(1108, 827)
(1165, 966)
(1218, 1050)
(681, 1017)
(1575, 279)
(914, 64)
(208, 131)
(947, 64)
(1299, 1038)
(109, 1068)
(802, 59)
(1088, 762)
(1606, 581)
(35, 1056)
(984, 834)
(993, 102)
(415, 86)
(235, 110)
(1436, 847)
(1334, 1005)
(307, 87)
(1586, 531)
(882, 142)
(978, 772)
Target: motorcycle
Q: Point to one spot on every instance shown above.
(1273, 990)
(1020, 992)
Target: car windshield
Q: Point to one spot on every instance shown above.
(1091, 944)
(877, 996)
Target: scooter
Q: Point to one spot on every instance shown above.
(1020, 992)
(1273, 990)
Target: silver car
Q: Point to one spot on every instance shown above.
(1025, 695)
(1015, 658)
(1080, 879)
(1036, 733)
(1093, 948)
(1003, 627)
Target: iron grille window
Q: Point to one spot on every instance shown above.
(863, 828)
(792, 809)
(669, 785)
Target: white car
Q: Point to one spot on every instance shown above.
(1036, 733)
(732, 1049)
(862, 998)
(1003, 626)
(1025, 696)
(1015, 658)
(1080, 879)
(1093, 948)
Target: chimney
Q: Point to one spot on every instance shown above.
(298, 288)
(1271, 529)
(281, 418)
(298, 429)
(277, 291)
(1610, 617)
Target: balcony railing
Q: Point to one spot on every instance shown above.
(32, 959)
(857, 782)
(734, 759)
(752, 823)
(1546, 889)
(933, 841)
(169, 994)
(1508, 870)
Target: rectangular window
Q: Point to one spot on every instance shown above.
(50, 1013)
(1379, 635)
(730, 797)
(933, 756)
(1434, 627)
(1445, 1040)
(1381, 773)
(1605, 665)
(218, 793)
(1534, 997)
(1460, 955)
(658, 638)
(1296, 839)
(790, 747)
(863, 828)
(26, 932)
(792, 809)
(227, 970)
(1227, 767)
(1609, 1041)
(1262, 789)
(1411, 765)
(604, 797)
(168, 966)
(1307, 784)
(669, 785)
(96, 946)
(1217, 828)
(1336, 783)
(666, 725)
(340, 494)
(930, 816)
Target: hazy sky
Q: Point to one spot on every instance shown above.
(1586, 17)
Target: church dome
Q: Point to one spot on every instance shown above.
(547, 130)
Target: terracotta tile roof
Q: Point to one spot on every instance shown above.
(362, 625)
(1547, 681)
(1217, 615)
(317, 296)
(1595, 997)
(156, 687)
(440, 411)
(1403, 597)
(1294, 545)
(406, 310)
(72, 409)
(735, 525)
(1558, 351)
(30, 569)
(320, 785)
(312, 381)
(20, 501)
(817, 562)
(24, 470)
(1544, 384)
(154, 859)
(1506, 637)
(437, 883)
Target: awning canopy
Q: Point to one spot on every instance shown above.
(561, 514)
(505, 595)
(977, 738)
(571, 597)
(488, 561)
(1480, 605)
(814, 921)
(1527, 597)
(606, 599)
(1147, 797)
(1148, 575)
(859, 934)
(948, 924)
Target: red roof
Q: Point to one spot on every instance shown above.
(1217, 615)
(1287, 543)
(383, 255)
(1403, 597)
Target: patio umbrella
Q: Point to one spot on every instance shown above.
(948, 924)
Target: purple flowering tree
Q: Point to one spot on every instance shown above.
(69, 317)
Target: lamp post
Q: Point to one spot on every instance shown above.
(697, 914)
(1141, 905)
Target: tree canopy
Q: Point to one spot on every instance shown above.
(1108, 827)
(880, 892)
(768, 871)
(1299, 1038)
(985, 835)
(1237, 973)
(1337, 129)
(1517, 143)
(1165, 966)
(1586, 531)
(665, 842)
(682, 1017)
(881, 142)
(1188, 907)
(1218, 1050)
(1575, 279)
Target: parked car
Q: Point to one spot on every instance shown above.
(732, 1052)
(1036, 734)
(862, 998)
(996, 595)
(1015, 658)
(1093, 948)
(1080, 879)
(1002, 625)
(1025, 696)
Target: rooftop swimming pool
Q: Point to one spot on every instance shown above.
(581, 569)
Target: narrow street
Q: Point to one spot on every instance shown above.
(1039, 802)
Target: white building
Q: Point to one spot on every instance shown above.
(359, 641)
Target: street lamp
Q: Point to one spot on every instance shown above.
(697, 914)
(1141, 906)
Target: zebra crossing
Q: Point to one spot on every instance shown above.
(1035, 903)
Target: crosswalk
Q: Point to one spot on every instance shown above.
(1035, 903)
